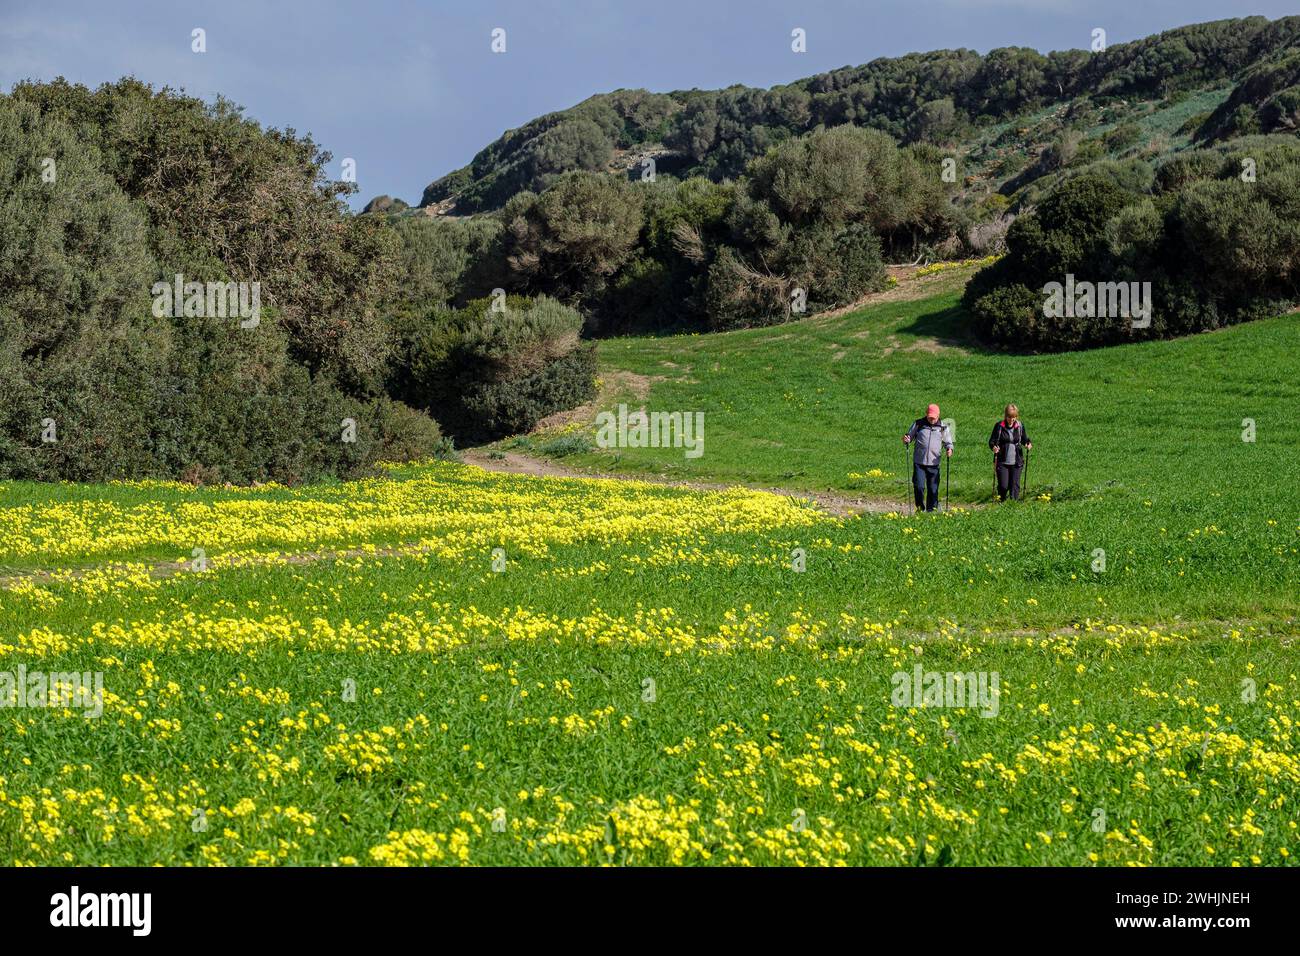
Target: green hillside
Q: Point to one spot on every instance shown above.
(1169, 160)
(950, 97)
(808, 403)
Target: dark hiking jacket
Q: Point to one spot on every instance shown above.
(1006, 438)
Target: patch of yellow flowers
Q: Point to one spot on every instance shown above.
(448, 508)
(855, 753)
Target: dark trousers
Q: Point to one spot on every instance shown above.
(1009, 481)
(925, 482)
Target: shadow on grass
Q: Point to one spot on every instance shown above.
(953, 327)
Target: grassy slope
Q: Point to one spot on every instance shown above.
(808, 403)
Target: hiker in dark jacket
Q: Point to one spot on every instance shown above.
(931, 438)
(1009, 442)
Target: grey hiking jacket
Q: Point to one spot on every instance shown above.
(928, 441)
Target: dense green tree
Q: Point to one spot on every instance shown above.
(497, 366)
(938, 122)
(571, 238)
(385, 204)
(831, 176)
(1009, 79)
(93, 384)
(74, 252)
(438, 256)
(226, 199)
(1215, 247)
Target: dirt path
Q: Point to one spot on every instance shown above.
(513, 463)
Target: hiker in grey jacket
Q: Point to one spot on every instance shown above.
(930, 440)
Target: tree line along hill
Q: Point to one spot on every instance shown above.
(397, 332)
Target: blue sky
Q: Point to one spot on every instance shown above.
(411, 90)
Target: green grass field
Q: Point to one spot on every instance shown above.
(809, 403)
(644, 674)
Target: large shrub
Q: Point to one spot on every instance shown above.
(438, 258)
(197, 399)
(224, 198)
(805, 226)
(74, 270)
(570, 239)
(849, 175)
(1218, 240)
(93, 384)
(498, 366)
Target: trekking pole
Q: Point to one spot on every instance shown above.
(947, 473)
(907, 480)
(1024, 485)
